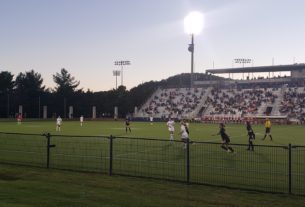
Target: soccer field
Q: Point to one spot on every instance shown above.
(282, 134)
(147, 152)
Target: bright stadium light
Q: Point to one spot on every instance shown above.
(193, 25)
(243, 61)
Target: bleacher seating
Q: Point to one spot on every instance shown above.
(238, 102)
(185, 102)
(293, 103)
(177, 102)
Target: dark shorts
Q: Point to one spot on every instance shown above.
(226, 141)
(268, 130)
(184, 140)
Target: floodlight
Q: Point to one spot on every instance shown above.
(193, 23)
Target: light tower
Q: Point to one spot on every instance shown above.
(122, 63)
(193, 25)
(116, 73)
(244, 61)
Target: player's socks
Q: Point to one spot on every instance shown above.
(231, 149)
(223, 147)
(270, 137)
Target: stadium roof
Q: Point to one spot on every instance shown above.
(259, 69)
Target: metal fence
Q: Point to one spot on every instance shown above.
(278, 169)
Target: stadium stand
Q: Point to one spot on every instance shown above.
(293, 102)
(240, 102)
(174, 102)
(223, 99)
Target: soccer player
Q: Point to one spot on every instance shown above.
(225, 138)
(127, 125)
(184, 133)
(19, 119)
(251, 136)
(151, 118)
(267, 129)
(171, 128)
(58, 123)
(81, 120)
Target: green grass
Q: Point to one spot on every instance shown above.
(283, 134)
(265, 169)
(26, 186)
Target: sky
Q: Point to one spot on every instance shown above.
(86, 36)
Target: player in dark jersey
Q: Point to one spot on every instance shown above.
(225, 138)
(127, 125)
(251, 136)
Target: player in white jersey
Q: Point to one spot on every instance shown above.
(58, 123)
(171, 128)
(81, 120)
(184, 133)
(151, 119)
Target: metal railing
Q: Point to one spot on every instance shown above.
(279, 169)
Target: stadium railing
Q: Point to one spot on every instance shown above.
(278, 169)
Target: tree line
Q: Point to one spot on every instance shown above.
(27, 89)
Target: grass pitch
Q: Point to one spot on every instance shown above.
(26, 186)
(282, 134)
(85, 149)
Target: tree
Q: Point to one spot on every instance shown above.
(65, 91)
(6, 86)
(66, 84)
(28, 92)
(29, 84)
(6, 81)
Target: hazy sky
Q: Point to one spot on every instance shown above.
(87, 36)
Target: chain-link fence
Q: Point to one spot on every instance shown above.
(267, 168)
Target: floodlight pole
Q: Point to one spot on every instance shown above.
(122, 63)
(116, 73)
(191, 50)
(116, 81)
(122, 75)
(243, 61)
(193, 24)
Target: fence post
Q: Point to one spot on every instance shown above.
(289, 169)
(110, 154)
(49, 145)
(187, 161)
